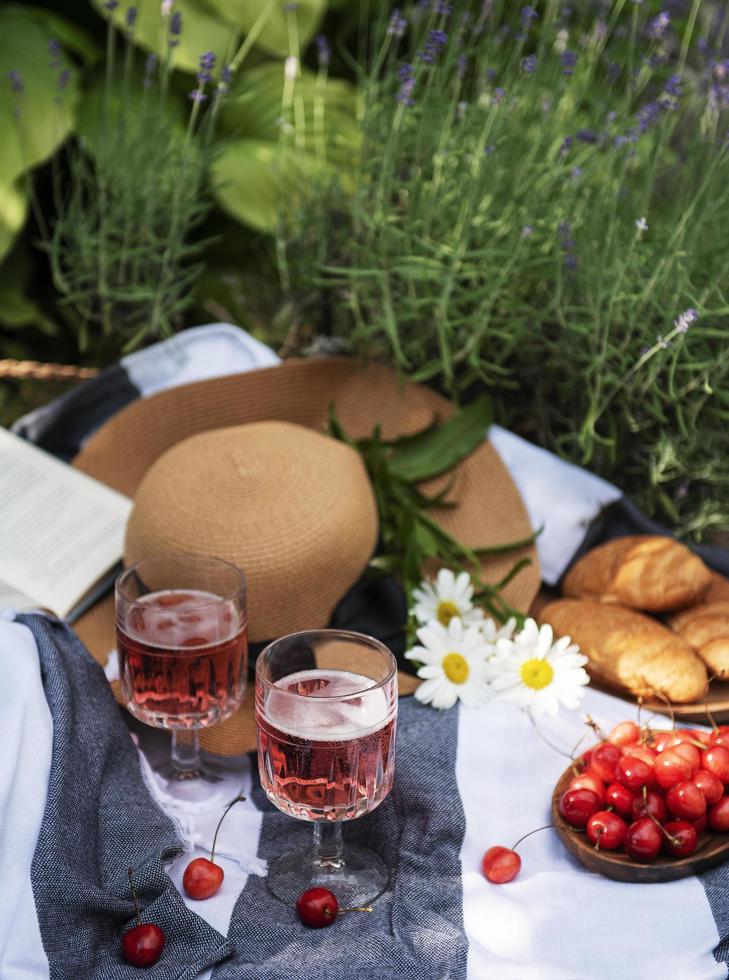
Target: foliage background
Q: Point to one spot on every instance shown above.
(484, 236)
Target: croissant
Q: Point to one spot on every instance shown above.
(629, 650)
(706, 626)
(650, 572)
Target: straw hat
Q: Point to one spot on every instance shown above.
(165, 429)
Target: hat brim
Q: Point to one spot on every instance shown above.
(489, 509)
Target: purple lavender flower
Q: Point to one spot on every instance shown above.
(54, 50)
(488, 150)
(323, 51)
(568, 61)
(567, 244)
(63, 79)
(397, 24)
(566, 146)
(111, 5)
(150, 63)
(685, 319)
(175, 29)
(529, 64)
(197, 95)
(226, 76)
(405, 95)
(16, 81)
(499, 94)
(658, 26)
(433, 46)
(527, 231)
(587, 136)
(673, 86)
(461, 66)
(405, 71)
(131, 17)
(207, 63)
(443, 8)
(528, 14)
(576, 174)
(647, 115)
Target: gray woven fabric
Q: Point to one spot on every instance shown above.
(100, 820)
(416, 930)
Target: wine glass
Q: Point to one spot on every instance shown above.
(182, 642)
(326, 711)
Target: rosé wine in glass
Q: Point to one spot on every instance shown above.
(182, 658)
(324, 759)
(182, 642)
(326, 713)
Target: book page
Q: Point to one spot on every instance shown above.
(60, 530)
(16, 600)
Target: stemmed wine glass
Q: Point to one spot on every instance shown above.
(182, 641)
(326, 711)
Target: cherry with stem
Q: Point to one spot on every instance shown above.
(142, 945)
(501, 864)
(203, 877)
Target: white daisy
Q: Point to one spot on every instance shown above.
(453, 659)
(450, 595)
(537, 674)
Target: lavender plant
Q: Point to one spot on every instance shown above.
(540, 207)
(121, 248)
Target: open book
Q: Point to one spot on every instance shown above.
(61, 532)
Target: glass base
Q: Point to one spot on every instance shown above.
(356, 879)
(206, 783)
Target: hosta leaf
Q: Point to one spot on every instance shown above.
(36, 114)
(253, 108)
(436, 451)
(274, 36)
(251, 176)
(13, 211)
(66, 32)
(203, 29)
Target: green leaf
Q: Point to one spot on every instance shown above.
(253, 108)
(38, 118)
(254, 173)
(13, 211)
(203, 29)
(280, 26)
(66, 32)
(436, 451)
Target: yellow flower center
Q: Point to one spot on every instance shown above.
(456, 668)
(537, 673)
(446, 611)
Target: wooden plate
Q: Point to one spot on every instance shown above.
(712, 849)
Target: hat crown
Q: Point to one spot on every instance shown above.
(290, 506)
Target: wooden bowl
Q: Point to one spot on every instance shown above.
(712, 848)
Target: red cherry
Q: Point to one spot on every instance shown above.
(578, 805)
(661, 740)
(588, 781)
(719, 814)
(716, 760)
(143, 945)
(709, 784)
(500, 864)
(604, 760)
(690, 753)
(671, 768)
(634, 773)
(606, 830)
(683, 838)
(620, 797)
(644, 752)
(317, 907)
(624, 733)
(202, 878)
(643, 840)
(701, 824)
(652, 805)
(686, 801)
(704, 737)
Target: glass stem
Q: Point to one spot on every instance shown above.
(186, 762)
(328, 844)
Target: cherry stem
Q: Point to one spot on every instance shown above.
(548, 826)
(597, 840)
(712, 721)
(662, 697)
(590, 721)
(358, 908)
(130, 872)
(671, 840)
(238, 799)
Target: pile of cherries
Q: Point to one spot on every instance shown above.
(649, 793)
